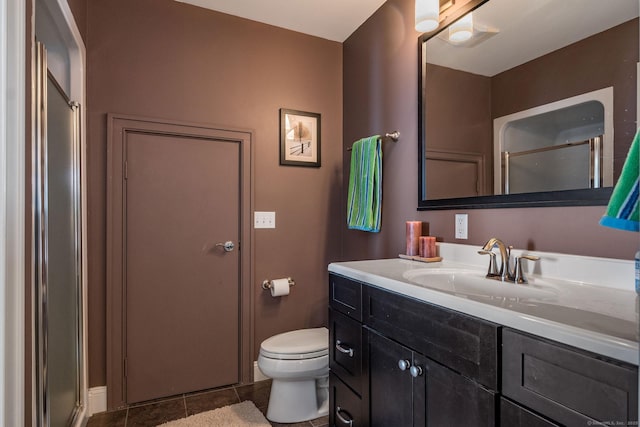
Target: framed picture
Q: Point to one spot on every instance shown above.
(299, 138)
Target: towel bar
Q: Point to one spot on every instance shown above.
(394, 136)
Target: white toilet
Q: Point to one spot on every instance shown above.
(298, 363)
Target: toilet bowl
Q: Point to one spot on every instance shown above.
(298, 363)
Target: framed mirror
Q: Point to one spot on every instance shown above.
(538, 107)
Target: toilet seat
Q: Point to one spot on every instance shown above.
(297, 345)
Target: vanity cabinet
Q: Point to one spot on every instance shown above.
(399, 362)
(567, 385)
(514, 415)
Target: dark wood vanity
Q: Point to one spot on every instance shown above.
(398, 361)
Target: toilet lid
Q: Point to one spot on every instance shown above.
(300, 344)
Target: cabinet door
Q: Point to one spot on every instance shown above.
(454, 400)
(424, 394)
(391, 400)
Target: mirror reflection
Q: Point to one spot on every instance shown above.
(541, 98)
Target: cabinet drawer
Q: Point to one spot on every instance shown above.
(345, 349)
(345, 407)
(512, 415)
(345, 296)
(465, 344)
(570, 386)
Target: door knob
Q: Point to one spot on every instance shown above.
(228, 246)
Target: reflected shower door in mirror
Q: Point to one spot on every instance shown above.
(537, 108)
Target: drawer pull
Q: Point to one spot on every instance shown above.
(404, 364)
(343, 420)
(342, 349)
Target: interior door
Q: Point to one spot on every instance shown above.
(181, 283)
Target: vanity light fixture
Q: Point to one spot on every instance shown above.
(461, 30)
(427, 15)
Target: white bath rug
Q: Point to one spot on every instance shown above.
(237, 415)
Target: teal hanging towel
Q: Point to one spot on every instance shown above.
(364, 201)
(622, 211)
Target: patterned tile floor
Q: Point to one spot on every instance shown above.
(161, 411)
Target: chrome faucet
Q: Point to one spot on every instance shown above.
(505, 273)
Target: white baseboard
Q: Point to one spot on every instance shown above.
(97, 400)
(257, 373)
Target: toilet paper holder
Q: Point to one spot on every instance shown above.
(267, 283)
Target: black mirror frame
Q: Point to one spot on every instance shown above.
(584, 197)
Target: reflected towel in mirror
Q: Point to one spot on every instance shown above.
(622, 211)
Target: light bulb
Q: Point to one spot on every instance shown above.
(427, 15)
(462, 29)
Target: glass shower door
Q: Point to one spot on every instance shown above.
(59, 298)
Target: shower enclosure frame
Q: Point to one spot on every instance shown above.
(55, 26)
(41, 242)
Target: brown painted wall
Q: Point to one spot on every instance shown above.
(381, 94)
(79, 10)
(165, 59)
(452, 96)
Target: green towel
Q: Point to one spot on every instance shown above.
(364, 201)
(622, 211)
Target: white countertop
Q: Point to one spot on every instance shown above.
(600, 319)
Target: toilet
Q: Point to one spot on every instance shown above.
(298, 363)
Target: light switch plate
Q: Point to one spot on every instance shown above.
(264, 219)
(462, 226)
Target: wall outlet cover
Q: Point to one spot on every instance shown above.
(462, 226)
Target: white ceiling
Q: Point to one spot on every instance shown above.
(329, 19)
(528, 29)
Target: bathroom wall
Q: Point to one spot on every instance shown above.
(165, 59)
(381, 94)
(471, 100)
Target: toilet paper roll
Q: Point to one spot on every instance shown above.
(279, 287)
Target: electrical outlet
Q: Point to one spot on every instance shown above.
(264, 220)
(462, 226)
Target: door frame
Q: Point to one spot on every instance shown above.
(13, 184)
(117, 127)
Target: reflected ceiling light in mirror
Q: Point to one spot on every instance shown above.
(427, 15)
(461, 30)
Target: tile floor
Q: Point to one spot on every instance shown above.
(157, 412)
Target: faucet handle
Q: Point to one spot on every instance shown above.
(493, 267)
(519, 274)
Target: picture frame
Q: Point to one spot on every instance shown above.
(299, 138)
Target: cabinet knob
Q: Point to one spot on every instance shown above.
(343, 349)
(343, 420)
(404, 364)
(415, 371)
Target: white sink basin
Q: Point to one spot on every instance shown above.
(474, 283)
